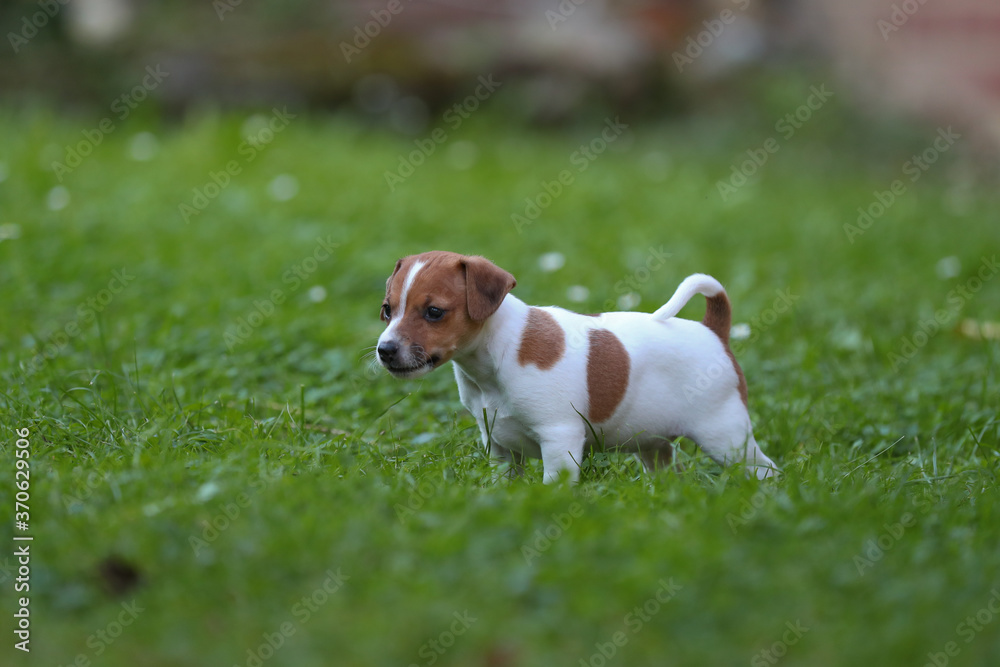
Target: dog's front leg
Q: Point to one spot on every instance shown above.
(489, 431)
(562, 449)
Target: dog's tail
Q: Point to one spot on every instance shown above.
(718, 315)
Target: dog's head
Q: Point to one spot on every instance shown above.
(435, 304)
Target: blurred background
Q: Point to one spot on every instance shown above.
(200, 202)
(399, 63)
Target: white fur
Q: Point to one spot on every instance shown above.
(401, 309)
(681, 383)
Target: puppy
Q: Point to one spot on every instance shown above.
(552, 384)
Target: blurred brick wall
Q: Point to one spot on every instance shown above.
(939, 59)
(565, 54)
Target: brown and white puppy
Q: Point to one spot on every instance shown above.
(548, 383)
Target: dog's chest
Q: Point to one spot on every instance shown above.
(493, 411)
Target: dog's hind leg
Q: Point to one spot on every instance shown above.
(562, 450)
(514, 460)
(658, 456)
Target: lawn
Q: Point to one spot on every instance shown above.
(219, 477)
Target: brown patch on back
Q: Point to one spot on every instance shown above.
(719, 318)
(608, 367)
(543, 341)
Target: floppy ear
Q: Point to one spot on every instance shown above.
(486, 284)
(399, 263)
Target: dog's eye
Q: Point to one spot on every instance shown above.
(386, 312)
(434, 314)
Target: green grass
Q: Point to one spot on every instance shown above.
(147, 425)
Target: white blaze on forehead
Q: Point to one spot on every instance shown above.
(400, 310)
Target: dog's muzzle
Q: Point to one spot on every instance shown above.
(394, 360)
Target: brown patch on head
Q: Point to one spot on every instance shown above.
(608, 367)
(447, 301)
(543, 341)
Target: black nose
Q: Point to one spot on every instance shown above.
(387, 350)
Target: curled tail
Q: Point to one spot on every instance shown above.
(718, 315)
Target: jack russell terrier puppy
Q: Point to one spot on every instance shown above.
(550, 383)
